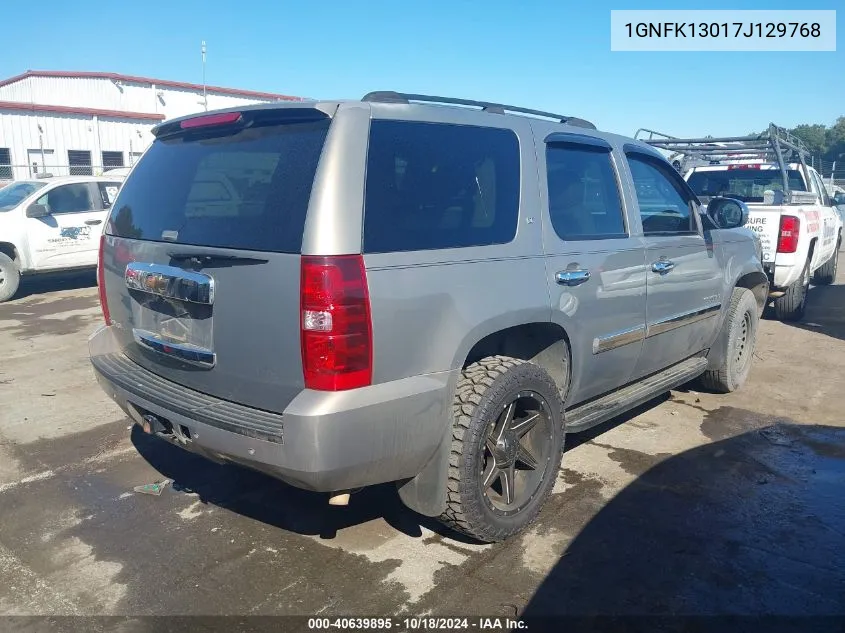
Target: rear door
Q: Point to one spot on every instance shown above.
(595, 267)
(68, 236)
(684, 279)
(202, 259)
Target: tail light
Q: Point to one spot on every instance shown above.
(336, 330)
(101, 282)
(790, 229)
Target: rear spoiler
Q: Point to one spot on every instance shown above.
(232, 119)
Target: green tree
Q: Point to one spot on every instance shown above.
(836, 139)
(814, 137)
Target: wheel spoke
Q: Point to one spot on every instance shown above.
(491, 446)
(503, 423)
(507, 484)
(521, 427)
(491, 473)
(525, 457)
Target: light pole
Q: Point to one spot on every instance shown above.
(204, 94)
(41, 145)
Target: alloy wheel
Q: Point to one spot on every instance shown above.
(517, 451)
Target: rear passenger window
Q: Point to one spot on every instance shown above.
(584, 200)
(434, 185)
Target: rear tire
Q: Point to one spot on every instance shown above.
(508, 435)
(737, 340)
(10, 278)
(826, 274)
(792, 305)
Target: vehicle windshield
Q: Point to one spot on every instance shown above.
(12, 194)
(748, 185)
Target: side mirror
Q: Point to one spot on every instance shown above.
(728, 213)
(839, 199)
(36, 211)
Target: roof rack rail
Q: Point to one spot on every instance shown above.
(389, 96)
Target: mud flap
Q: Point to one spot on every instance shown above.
(426, 493)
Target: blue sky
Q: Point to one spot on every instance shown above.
(546, 54)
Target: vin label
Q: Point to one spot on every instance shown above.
(724, 30)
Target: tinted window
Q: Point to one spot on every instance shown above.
(746, 184)
(824, 197)
(68, 199)
(248, 190)
(432, 185)
(583, 194)
(664, 205)
(13, 194)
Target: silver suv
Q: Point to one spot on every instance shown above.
(396, 289)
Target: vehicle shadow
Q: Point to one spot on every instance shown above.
(825, 311)
(275, 503)
(266, 499)
(715, 538)
(44, 284)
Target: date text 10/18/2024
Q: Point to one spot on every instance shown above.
(416, 623)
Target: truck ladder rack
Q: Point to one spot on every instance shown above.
(775, 145)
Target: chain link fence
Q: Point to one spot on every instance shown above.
(9, 173)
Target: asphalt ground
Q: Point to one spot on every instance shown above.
(694, 504)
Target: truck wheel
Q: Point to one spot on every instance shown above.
(826, 274)
(506, 447)
(10, 278)
(737, 339)
(791, 306)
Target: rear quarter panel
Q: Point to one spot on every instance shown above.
(765, 222)
(430, 307)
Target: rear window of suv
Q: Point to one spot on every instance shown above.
(436, 186)
(248, 190)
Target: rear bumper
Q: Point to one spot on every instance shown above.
(323, 441)
(786, 270)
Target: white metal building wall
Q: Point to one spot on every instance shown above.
(61, 132)
(105, 94)
(19, 131)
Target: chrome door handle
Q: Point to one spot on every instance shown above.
(662, 266)
(572, 277)
(93, 222)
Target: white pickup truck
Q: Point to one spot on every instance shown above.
(799, 233)
(790, 210)
(50, 225)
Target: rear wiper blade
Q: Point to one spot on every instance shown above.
(203, 259)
